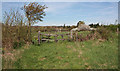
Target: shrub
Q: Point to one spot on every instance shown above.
(113, 28)
(104, 33)
(21, 43)
(15, 45)
(14, 28)
(18, 44)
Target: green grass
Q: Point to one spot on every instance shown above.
(91, 54)
(72, 55)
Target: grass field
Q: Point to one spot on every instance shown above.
(90, 54)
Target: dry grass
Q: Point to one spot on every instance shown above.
(10, 56)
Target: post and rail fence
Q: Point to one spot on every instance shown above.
(55, 37)
(68, 36)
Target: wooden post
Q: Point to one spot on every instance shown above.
(76, 36)
(62, 37)
(68, 35)
(48, 37)
(55, 38)
(38, 37)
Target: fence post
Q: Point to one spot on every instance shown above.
(62, 37)
(48, 37)
(69, 37)
(55, 38)
(71, 34)
(76, 36)
(38, 37)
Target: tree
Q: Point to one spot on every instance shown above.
(34, 13)
(97, 25)
(64, 26)
(91, 25)
(94, 25)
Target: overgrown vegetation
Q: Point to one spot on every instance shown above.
(104, 33)
(93, 49)
(13, 29)
(91, 54)
(16, 28)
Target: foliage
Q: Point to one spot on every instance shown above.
(16, 28)
(34, 13)
(15, 45)
(105, 33)
(13, 29)
(18, 44)
(112, 27)
(94, 25)
(64, 26)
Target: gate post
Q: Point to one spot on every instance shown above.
(55, 38)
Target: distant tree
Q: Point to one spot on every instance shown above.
(91, 25)
(68, 26)
(34, 13)
(80, 22)
(94, 25)
(64, 26)
(97, 25)
(116, 22)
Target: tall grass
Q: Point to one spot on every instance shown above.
(91, 54)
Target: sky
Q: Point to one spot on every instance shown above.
(60, 0)
(69, 13)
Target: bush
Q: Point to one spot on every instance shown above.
(15, 45)
(113, 28)
(18, 44)
(104, 33)
(21, 43)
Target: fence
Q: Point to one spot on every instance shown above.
(56, 37)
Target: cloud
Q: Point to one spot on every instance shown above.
(58, 7)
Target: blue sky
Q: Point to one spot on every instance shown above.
(69, 13)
